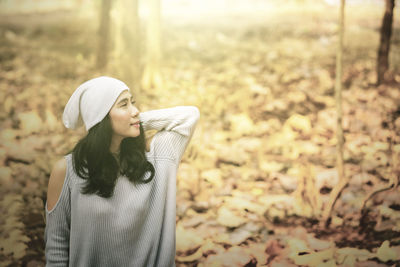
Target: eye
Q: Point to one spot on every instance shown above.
(133, 102)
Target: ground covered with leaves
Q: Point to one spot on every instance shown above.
(259, 170)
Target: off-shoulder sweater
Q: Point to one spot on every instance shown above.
(136, 226)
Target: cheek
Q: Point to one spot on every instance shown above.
(120, 119)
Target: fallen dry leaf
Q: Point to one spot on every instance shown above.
(187, 239)
(228, 218)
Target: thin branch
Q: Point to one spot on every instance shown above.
(394, 174)
(343, 180)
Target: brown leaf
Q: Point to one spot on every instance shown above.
(273, 249)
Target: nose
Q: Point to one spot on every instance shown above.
(134, 111)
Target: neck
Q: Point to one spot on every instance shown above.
(115, 144)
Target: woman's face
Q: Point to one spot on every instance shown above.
(124, 117)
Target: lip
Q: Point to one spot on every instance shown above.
(137, 124)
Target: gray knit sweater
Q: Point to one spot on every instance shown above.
(136, 226)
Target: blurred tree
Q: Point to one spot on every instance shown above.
(343, 180)
(104, 34)
(152, 76)
(128, 40)
(384, 45)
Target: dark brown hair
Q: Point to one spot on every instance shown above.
(93, 161)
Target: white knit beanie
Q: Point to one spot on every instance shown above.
(92, 101)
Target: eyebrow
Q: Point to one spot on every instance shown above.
(126, 99)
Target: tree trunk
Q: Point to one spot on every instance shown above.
(152, 76)
(128, 41)
(104, 34)
(343, 180)
(384, 46)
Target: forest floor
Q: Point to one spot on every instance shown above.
(257, 175)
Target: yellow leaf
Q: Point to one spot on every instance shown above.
(241, 124)
(296, 96)
(277, 104)
(283, 199)
(388, 212)
(5, 177)
(30, 122)
(14, 244)
(241, 203)
(18, 235)
(276, 213)
(381, 146)
(396, 148)
(234, 256)
(287, 134)
(359, 254)
(337, 221)
(19, 250)
(386, 253)
(299, 122)
(329, 263)
(227, 218)
(195, 256)
(234, 155)
(187, 239)
(325, 80)
(238, 236)
(314, 258)
(213, 176)
(220, 136)
(250, 144)
(349, 261)
(296, 246)
(308, 148)
(318, 244)
(8, 135)
(271, 166)
(257, 191)
(8, 104)
(303, 209)
(51, 120)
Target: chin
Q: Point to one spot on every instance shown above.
(134, 134)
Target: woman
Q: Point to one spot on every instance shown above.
(111, 202)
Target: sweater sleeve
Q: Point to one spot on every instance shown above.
(57, 230)
(175, 128)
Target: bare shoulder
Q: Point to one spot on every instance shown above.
(56, 182)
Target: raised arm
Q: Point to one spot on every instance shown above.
(175, 128)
